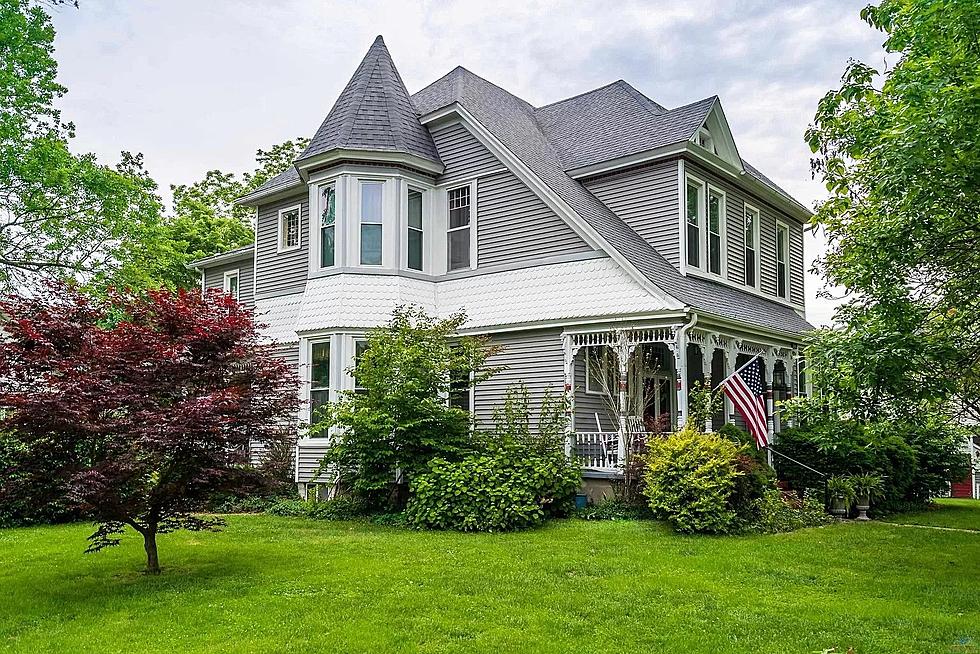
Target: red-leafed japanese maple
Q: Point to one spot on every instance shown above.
(136, 408)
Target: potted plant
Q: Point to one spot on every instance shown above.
(866, 488)
(841, 493)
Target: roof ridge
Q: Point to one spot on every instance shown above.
(582, 94)
(645, 100)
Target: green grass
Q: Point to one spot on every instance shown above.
(289, 585)
(953, 513)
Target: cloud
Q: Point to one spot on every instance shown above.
(200, 85)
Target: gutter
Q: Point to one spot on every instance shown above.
(682, 412)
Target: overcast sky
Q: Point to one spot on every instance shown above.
(196, 85)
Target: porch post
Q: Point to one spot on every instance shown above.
(623, 353)
(569, 364)
(770, 423)
(707, 354)
(680, 366)
(731, 358)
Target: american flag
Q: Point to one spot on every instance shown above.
(744, 389)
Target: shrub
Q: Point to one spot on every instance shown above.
(775, 514)
(501, 490)
(339, 508)
(690, 479)
(613, 509)
(254, 504)
(754, 479)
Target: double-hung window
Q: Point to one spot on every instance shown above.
(716, 216)
(751, 246)
(782, 260)
(415, 231)
(360, 347)
(371, 225)
(319, 378)
(458, 237)
(328, 225)
(230, 285)
(695, 218)
(289, 220)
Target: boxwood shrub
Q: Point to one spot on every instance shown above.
(498, 490)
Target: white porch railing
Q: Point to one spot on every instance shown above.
(597, 449)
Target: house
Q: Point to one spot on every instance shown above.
(618, 250)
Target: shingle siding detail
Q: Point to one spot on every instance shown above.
(280, 273)
(647, 200)
(532, 357)
(214, 277)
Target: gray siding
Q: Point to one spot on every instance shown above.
(288, 354)
(513, 224)
(587, 405)
(735, 199)
(533, 357)
(214, 277)
(279, 273)
(647, 199)
(462, 153)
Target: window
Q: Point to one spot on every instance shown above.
(716, 213)
(705, 141)
(782, 257)
(601, 371)
(288, 229)
(459, 390)
(415, 242)
(751, 246)
(328, 225)
(371, 229)
(695, 210)
(360, 347)
(459, 228)
(231, 283)
(319, 378)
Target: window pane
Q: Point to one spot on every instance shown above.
(459, 392)
(317, 400)
(415, 249)
(781, 279)
(750, 229)
(360, 347)
(328, 206)
(750, 267)
(290, 229)
(459, 249)
(693, 203)
(415, 209)
(320, 366)
(371, 202)
(327, 246)
(781, 244)
(459, 207)
(371, 245)
(233, 286)
(714, 253)
(693, 245)
(714, 213)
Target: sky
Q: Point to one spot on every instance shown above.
(202, 84)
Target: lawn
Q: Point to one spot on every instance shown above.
(952, 513)
(275, 584)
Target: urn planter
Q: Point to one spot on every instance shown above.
(863, 503)
(838, 506)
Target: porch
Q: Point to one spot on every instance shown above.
(626, 384)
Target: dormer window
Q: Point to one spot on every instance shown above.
(372, 239)
(328, 225)
(289, 229)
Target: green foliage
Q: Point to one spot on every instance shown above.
(743, 440)
(899, 152)
(246, 504)
(514, 422)
(613, 509)
(344, 507)
(690, 478)
(867, 485)
(840, 488)
(401, 421)
(775, 513)
(702, 404)
(502, 490)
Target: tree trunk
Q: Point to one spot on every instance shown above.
(150, 545)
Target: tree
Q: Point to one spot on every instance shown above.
(137, 407)
(61, 215)
(399, 419)
(899, 152)
(206, 219)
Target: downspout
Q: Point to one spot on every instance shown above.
(681, 360)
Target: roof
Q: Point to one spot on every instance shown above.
(284, 180)
(375, 113)
(520, 127)
(231, 255)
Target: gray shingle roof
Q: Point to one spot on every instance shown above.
(374, 112)
(519, 127)
(285, 179)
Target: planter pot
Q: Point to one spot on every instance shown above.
(581, 500)
(863, 504)
(838, 506)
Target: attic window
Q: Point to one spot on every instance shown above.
(705, 141)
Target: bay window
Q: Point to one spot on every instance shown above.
(371, 223)
(328, 225)
(415, 230)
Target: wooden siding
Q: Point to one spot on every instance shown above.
(279, 273)
(533, 357)
(646, 198)
(214, 277)
(462, 153)
(288, 354)
(587, 405)
(735, 199)
(513, 224)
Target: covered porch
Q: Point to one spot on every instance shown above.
(625, 384)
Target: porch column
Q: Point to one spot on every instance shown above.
(731, 359)
(707, 354)
(770, 423)
(623, 353)
(679, 349)
(569, 367)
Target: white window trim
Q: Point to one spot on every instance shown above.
(786, 277)
(316, 240)
(226, 282)
(702, 224)
(471, 226)
(358, 222)
(757, 239)
(722, 232)
(298, 208)
(426, 227)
